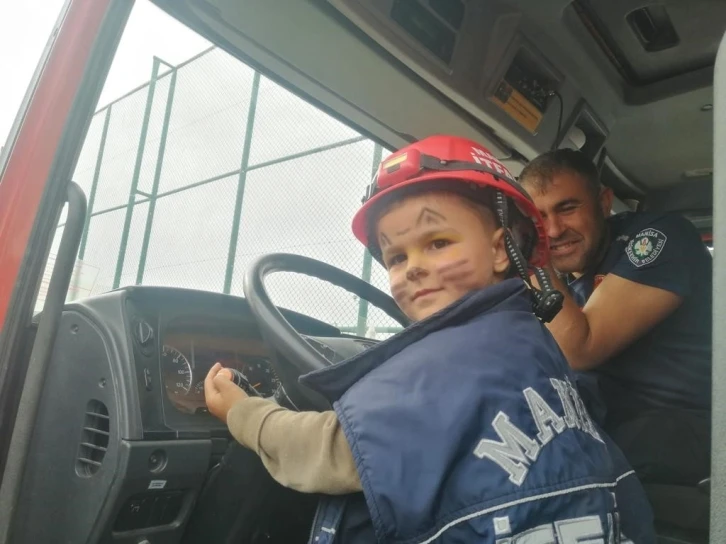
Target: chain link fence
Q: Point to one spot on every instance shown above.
(209, 165)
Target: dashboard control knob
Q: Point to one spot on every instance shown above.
(243, 383)
(144, 333)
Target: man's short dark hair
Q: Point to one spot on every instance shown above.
(541, 171)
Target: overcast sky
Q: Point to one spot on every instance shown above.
(25, 27)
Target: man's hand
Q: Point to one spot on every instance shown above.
(220, 392)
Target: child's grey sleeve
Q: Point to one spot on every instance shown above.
(305, 451)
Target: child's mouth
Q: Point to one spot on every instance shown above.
(424, 292)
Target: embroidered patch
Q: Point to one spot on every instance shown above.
(645, 247)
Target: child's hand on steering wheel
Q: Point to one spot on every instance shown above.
(220, 392)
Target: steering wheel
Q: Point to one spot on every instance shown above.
(278, 332)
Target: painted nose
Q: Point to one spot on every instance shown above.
(415, 273)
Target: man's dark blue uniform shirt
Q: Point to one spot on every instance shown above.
(669, 366)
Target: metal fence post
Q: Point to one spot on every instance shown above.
(137, 172)
(157, 178)
(94, 184)
(367, 258)
(242, 180)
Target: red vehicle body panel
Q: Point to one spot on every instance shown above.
(30, 159)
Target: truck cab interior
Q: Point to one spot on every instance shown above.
(105, 437)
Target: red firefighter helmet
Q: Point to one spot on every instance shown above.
(461, 162)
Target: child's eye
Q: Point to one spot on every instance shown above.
(395, 259)
(440, 243)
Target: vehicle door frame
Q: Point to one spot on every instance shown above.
(35, 172)
(718, 423)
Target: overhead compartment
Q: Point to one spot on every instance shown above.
(479, 55)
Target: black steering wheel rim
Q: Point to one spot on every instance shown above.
(286, 340)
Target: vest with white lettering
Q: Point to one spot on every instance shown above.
(466, 427)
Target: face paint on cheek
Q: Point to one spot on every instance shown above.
(456, 271)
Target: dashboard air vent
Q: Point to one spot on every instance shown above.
(94, 439)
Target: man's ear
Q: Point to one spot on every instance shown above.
(499, 253)
(606, 201)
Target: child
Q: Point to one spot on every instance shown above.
(465, 427)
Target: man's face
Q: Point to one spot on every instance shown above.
(574, 220)
(437, 248)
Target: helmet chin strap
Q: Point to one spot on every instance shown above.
(547, 301)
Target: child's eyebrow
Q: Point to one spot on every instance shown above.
(429, 216)
(422, 234)
(437, 231)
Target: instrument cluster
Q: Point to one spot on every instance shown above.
(187, 358)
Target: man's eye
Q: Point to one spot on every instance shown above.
(568, 209)
(440, 243)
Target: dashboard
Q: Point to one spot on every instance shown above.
(122, 429)
(177, 335)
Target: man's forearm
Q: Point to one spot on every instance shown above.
(571, 329)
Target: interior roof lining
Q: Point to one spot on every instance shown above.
(698, 37)
(623, 157)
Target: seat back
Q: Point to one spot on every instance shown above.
(681, 513)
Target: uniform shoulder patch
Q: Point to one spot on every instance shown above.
(645, 248)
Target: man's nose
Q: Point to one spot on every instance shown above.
(554, 227)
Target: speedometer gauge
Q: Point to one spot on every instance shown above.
(177, 371)
(260, 375)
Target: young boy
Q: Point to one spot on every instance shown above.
(465, 427)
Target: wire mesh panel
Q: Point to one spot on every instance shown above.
(149, 154)
(190, 237)
(102, 247)
(88, 158)
(211, 165)
(120, 152)
(305, 206)
(286, 125)
(133, 243)
(208, 120)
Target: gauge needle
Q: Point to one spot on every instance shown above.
(257, 385)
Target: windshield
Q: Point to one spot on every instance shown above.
(209, 164)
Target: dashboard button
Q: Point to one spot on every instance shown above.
(133, 514)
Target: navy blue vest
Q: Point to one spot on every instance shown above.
(466, 427)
